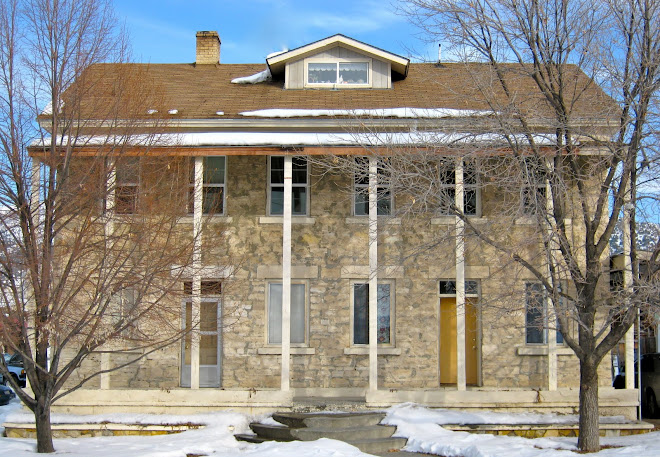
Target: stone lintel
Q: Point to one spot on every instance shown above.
(362, 272)
(297, 272)
(449, 272)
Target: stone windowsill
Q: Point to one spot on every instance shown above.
(362, 350)
(542, 350)
(365, 220)
(294, 220)
(277, 350)
(207, 218)
(451, 220)
(532, 220)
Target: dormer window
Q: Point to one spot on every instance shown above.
(338, 73)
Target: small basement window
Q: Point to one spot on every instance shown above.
(349, 73)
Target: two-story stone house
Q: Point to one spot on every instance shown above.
(330, 304)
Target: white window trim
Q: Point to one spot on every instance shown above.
(191, 187)
(337, 61)
(267, 342)
(270, 188)
(378, 198)
(392, 343)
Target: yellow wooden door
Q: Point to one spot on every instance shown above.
(448, 355)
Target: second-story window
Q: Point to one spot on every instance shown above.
(533, 191)
(361, 189)
(213, 185)
(471, 196)
(299, 191)
(127, 185)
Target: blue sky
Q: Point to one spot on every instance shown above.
(164, 31)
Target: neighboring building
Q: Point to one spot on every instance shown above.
(246, 137)
(646, 339)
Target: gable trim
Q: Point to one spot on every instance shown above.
(278, 62)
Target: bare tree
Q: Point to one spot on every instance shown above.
(91, 255)
(549, 146)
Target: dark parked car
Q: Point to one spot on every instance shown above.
(15, 366)
(6, 395)
(650, 383)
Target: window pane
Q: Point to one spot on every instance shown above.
(208, 321)
(361, 202)
(208, 350)
(297, 313)
(448, 287)
(298, 319)
(360, 314)
(322, 73)
(277, 200)
(275, 314)
(277, 170)
(128, 170)
(212, 200)
(354, 73)
(214, 170)
(384, 202)
(534, 314)
(126, 199)
(470, 202)
(299, 202)
(299, 170)
(383, 313)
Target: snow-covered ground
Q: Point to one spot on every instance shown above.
(420, 425)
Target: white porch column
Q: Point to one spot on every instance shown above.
(198, 202)
(373, 273)
(551, 326)
(111, 181)
(627, 283)
(35, 208)
(461, 381)
(286, 275)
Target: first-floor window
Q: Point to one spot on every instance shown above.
(299, 186)
(298, 313)
(122, 312)
(360, 295)
(536, 316)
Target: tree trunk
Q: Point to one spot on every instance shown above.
(589, 438)
(42, 421)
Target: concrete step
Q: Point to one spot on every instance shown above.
(250, 438)
(379, 445)
(329, 420)
(360, 429)
(344, 434)
(273, 432)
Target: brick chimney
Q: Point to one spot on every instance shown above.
(208, 48)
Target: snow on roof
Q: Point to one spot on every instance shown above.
(287, 139)
(408, 113)
(254, 79)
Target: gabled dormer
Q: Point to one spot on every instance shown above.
(338, 62)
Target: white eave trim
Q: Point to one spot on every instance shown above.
(399, 64)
